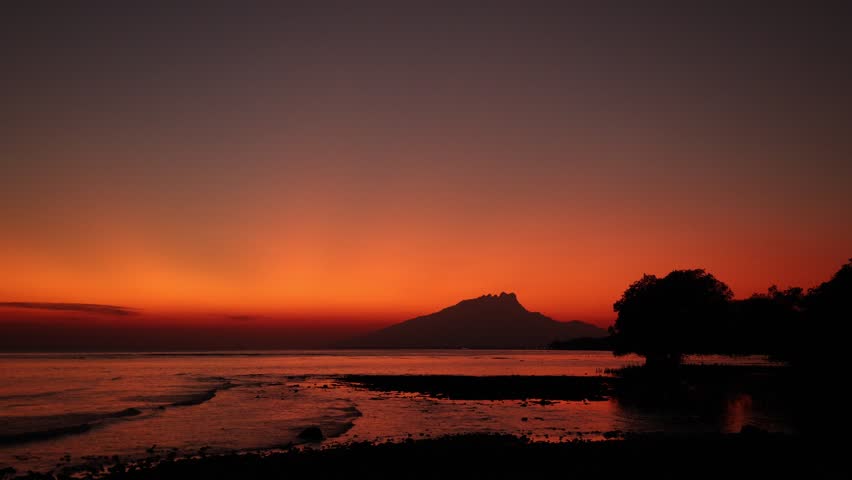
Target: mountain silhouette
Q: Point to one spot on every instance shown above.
(490, 321)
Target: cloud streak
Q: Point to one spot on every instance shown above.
(72, 307)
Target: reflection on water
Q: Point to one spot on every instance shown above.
(738, 412)
(732, 415)
(63, 409)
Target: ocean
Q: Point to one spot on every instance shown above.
(67, 409)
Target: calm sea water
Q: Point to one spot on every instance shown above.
(64, 409)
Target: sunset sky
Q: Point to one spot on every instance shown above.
(367, 164)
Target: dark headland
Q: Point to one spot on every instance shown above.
(490, 321)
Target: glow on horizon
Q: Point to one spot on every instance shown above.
(303, 163)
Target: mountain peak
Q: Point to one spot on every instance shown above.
(506, 297)
(503, 301)
(488, 321)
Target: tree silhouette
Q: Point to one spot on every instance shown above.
(663, 319)
(832, 300)
(768, 323)
(828, 307)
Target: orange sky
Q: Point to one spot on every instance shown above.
(394, 270)
(348, 166)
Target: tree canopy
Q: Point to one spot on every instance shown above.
(664, 319)
(691, 312)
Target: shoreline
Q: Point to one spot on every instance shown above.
(697, 392)
(493, 387)
(749, 454)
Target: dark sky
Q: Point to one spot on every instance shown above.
(386, 160)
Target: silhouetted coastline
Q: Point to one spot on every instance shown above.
(699, 388)
(510, 387)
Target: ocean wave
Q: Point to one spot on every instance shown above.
(29, 429)
(196, 399)
(29, 396)
(351, 411)
(184, 399)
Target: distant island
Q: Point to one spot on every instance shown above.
(490, 321)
